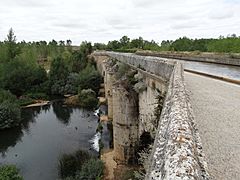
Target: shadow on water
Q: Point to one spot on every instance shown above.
(10, 137)
(62, 112)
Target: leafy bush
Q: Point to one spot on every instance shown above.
(69, 164)
(89, 78)
(10, 114)
(93, 169)
(87, 98)
(18, 76)
(58, 76)
(71, 86)
(122, 70)
(9, 172)
(37, 96)
(25, 100)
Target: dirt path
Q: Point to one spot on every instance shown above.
(216, 106)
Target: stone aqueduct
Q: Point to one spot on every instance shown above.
(177, 150)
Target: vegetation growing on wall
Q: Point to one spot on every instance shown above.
(158, 109)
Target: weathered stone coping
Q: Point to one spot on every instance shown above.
(216, 58)
(177, 151)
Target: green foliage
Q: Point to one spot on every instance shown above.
(89, 78)
(69, 164)
(37, 96)
(78, 62)
(25, 100)
(87, 98)
(122, 70)
(99, 46)
(12, 47)
(80, 166)
(86, 48)
(92, 169)
(58, 76)
(9, 172)
(182, 44)
(10, 114)
(18, 76)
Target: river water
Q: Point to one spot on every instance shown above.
(45, 134)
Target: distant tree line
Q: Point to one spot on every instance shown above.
(229, 44)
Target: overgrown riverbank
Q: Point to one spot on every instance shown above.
(26, 81)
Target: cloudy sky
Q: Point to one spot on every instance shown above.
(104, 20)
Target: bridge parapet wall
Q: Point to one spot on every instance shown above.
(177, 150)
(220, 58)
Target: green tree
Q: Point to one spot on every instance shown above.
(124, 41)
(85, 48)
(93, 169)
(69, 164)
(9, 172)
(19, 76)
(78, 61)
(182, 44)
(58, 76)
(12, 47)
(10, 114)
(87, 98)
(89, 78)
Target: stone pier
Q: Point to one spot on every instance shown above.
(125, 125)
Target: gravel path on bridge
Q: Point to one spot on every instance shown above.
(216, 106)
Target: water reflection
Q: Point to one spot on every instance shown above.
(62, 112)
(9, 138)
(28, 116)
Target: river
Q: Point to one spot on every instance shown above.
(45, 134)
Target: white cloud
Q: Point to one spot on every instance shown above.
(101, 21)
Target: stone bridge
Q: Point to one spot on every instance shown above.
(160, 107)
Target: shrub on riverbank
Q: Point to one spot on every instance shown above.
(79, 166)
(10, 114)
(90, 78)
(87, 99)
(9, 172)
(93, 169)
(69, 164)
